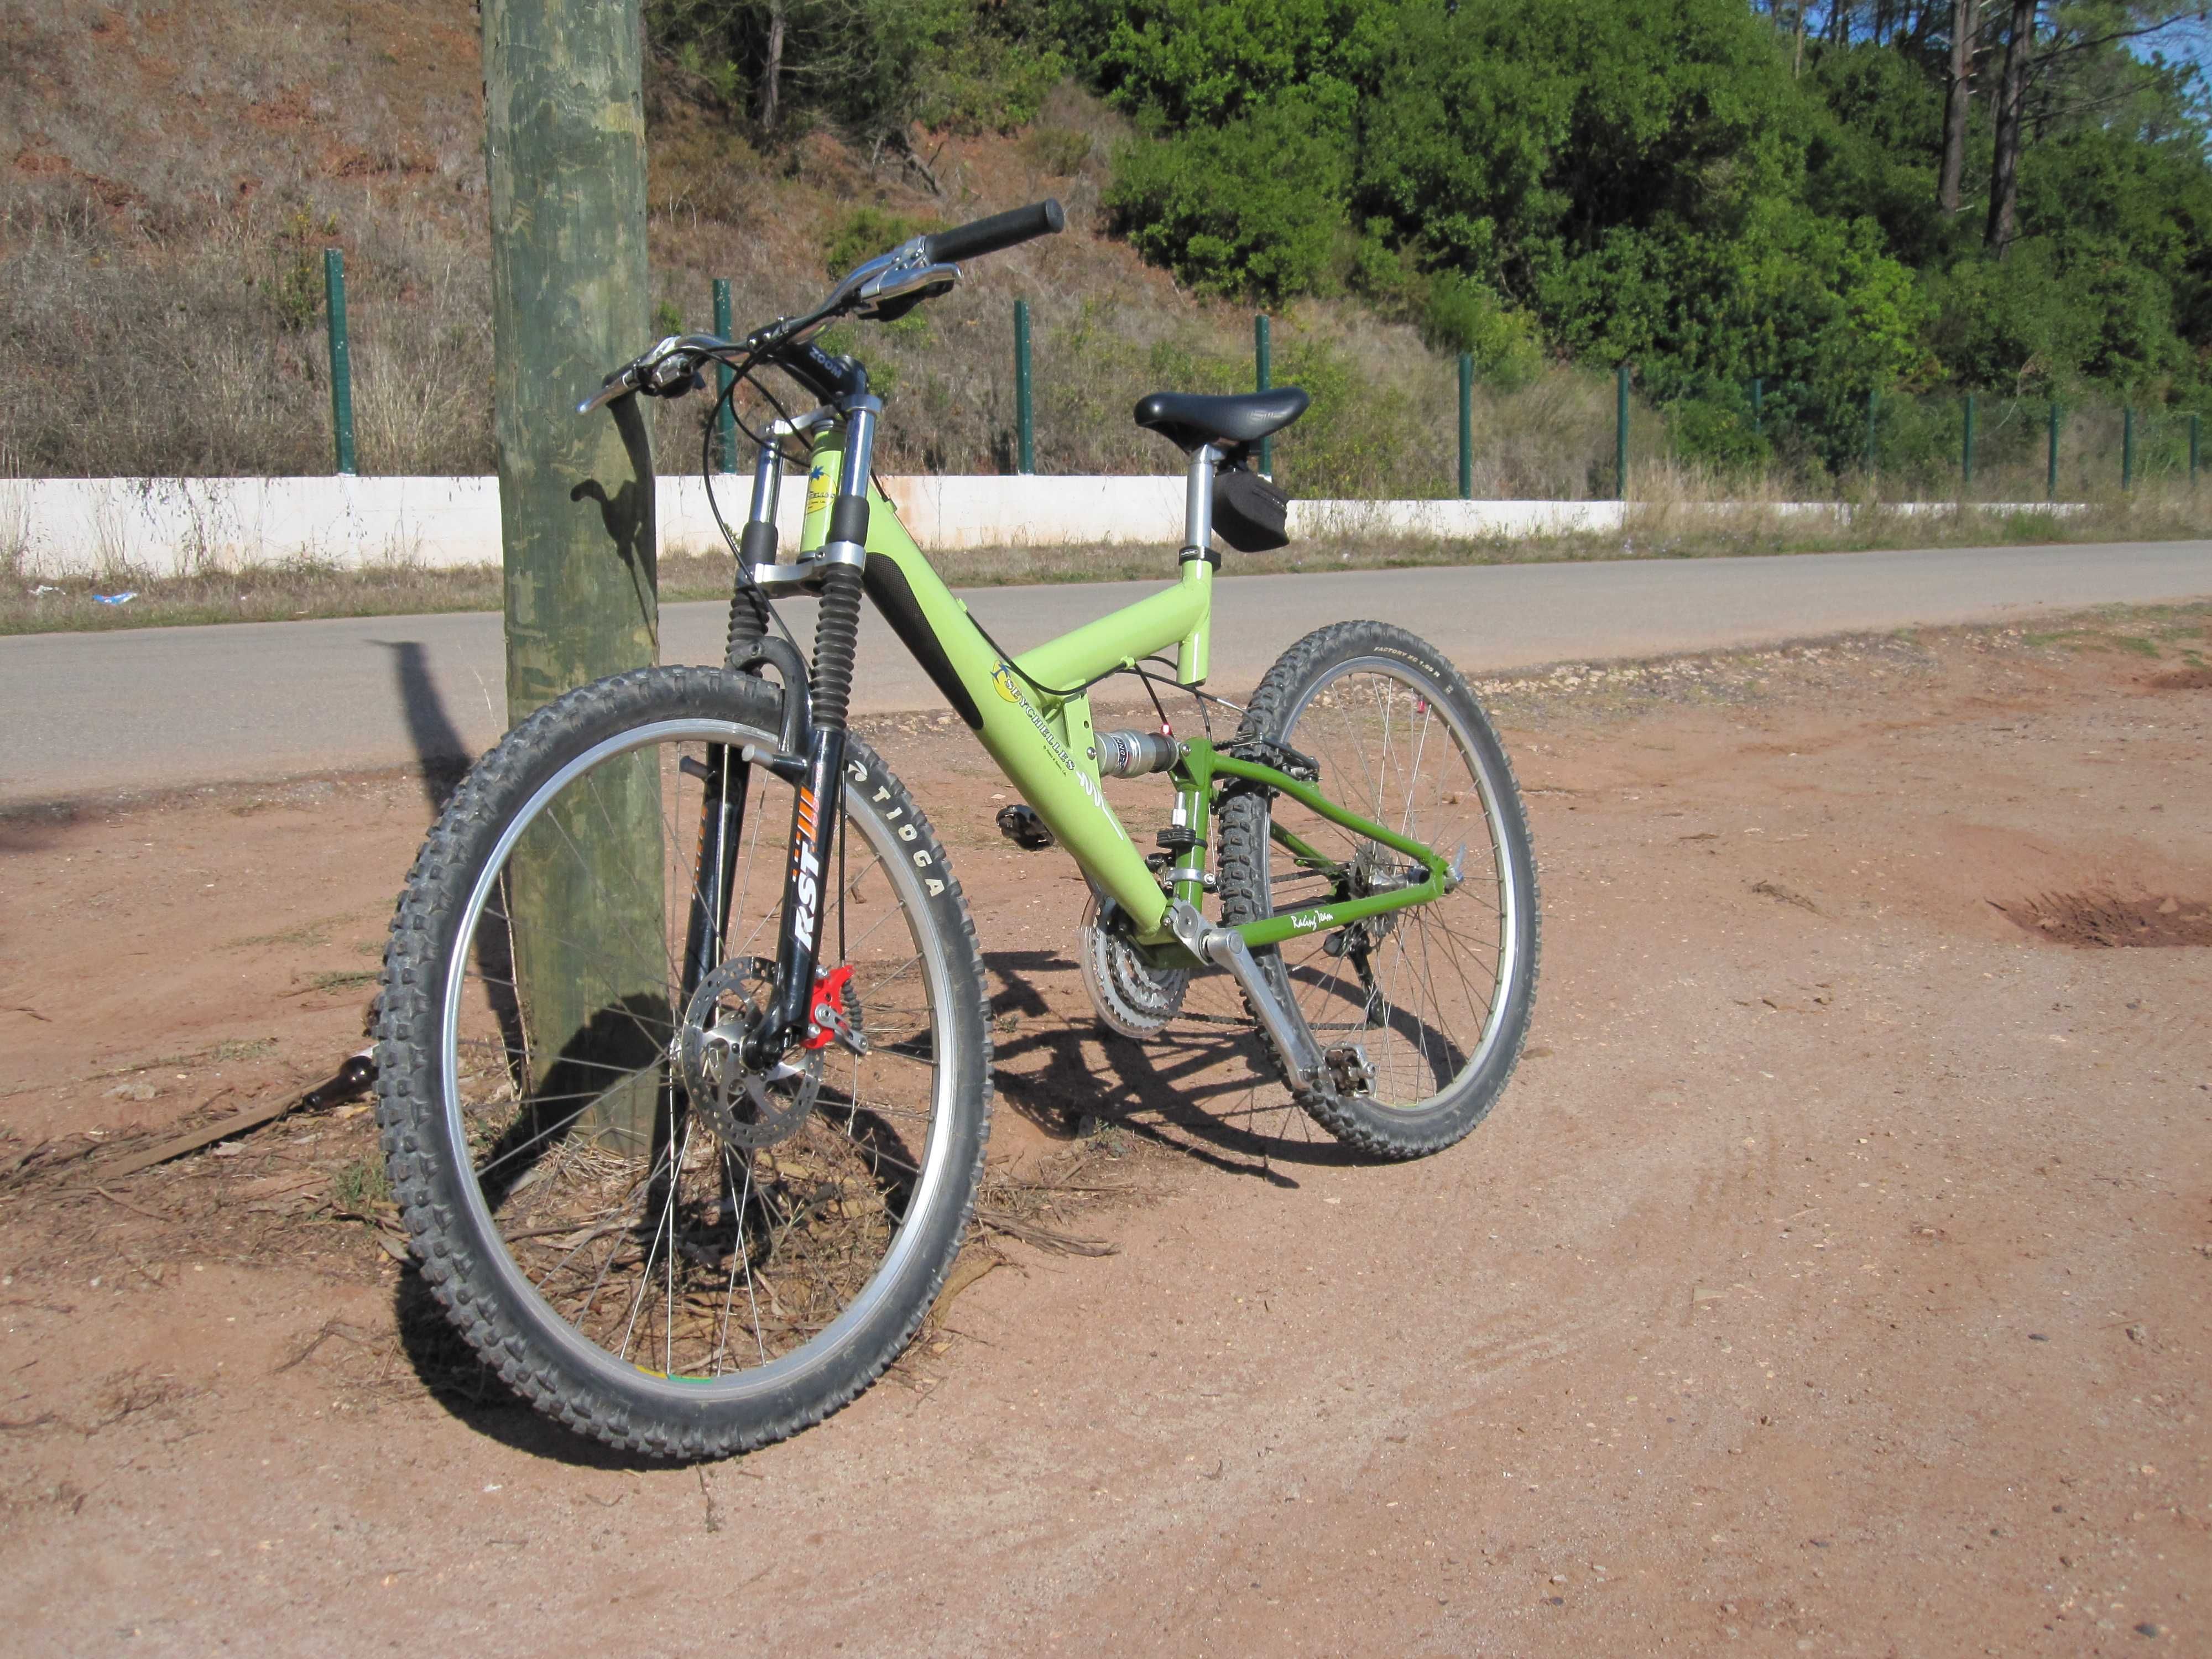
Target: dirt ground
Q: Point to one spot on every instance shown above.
(1835, 1276)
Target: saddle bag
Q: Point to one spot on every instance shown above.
(1250, 512)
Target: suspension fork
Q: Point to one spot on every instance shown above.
(817, 811)
(728, 782)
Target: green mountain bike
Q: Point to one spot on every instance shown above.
(685, 1067)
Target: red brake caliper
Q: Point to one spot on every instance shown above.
(826, 1020)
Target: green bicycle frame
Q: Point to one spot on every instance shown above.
(1042, 736)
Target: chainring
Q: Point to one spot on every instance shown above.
(746, 1109)
(1131, 996)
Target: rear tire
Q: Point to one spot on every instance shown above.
(1437, 995)
(682, 1294)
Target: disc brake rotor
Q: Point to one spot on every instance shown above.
(746, 1109)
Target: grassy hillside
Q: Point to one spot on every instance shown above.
(170, 176)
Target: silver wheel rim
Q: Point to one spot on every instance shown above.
(1461, 949)
(878, 857)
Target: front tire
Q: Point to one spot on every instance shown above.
(1436, 996)
(623, 1267)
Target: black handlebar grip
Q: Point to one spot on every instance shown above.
(999, 230)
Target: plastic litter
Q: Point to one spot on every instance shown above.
(114, 598)
(44, 587)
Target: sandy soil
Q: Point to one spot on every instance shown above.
(1835, 1276)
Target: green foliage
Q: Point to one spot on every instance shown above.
(871, 67)
(1653, 182)
(1463, 315)
(1206, 61)
(1251, 207)
(1715, 430)
(667, 319)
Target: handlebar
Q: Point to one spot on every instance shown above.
(884, 287)
(1000, 230)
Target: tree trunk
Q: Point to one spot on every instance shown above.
(772, 72)
(1797, 48)
(2012, 98)
(1965, 22)
(564, 151)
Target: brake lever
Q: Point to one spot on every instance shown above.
(649, 373)
(620, 384)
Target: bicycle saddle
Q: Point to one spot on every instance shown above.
(1190, 418)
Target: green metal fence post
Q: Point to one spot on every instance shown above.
(1465, 426)
(1967, 451)
(1758, 407)
(2050, 466)
(1262, 380)
(341, 358)
(726, 421)
(1620, 434)
(1873, 408)
(1024, 409)
(2127, 445)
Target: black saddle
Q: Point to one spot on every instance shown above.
(1191, 418)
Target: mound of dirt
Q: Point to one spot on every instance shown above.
(2102, 920)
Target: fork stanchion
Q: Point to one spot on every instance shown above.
(726, 421)
(1024, 409)
(341, 359)
(1262, 380)
(1467, 426)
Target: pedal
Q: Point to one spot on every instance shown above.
(1020, 825)
(1349, 1071)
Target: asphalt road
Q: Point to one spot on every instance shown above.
(90, 713)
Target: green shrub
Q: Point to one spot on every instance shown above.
(1716, 433)
(1462, 315)
(1251, 207)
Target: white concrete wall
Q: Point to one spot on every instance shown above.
(167, 526)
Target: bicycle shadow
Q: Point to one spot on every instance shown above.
(1204, 1088)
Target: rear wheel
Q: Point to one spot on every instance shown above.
(643, 1241)
(1423, 1011)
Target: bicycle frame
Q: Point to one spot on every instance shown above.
(1042, 736)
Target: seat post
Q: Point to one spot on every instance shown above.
(1197, 504)
(1198, 559)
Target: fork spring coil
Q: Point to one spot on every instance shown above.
(836, 642)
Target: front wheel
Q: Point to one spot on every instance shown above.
(1422, 1010)
(659, 1249)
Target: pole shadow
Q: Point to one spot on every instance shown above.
(440, 751)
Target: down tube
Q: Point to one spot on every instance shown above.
(994, 701)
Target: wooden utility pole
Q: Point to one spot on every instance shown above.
(565, 148)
